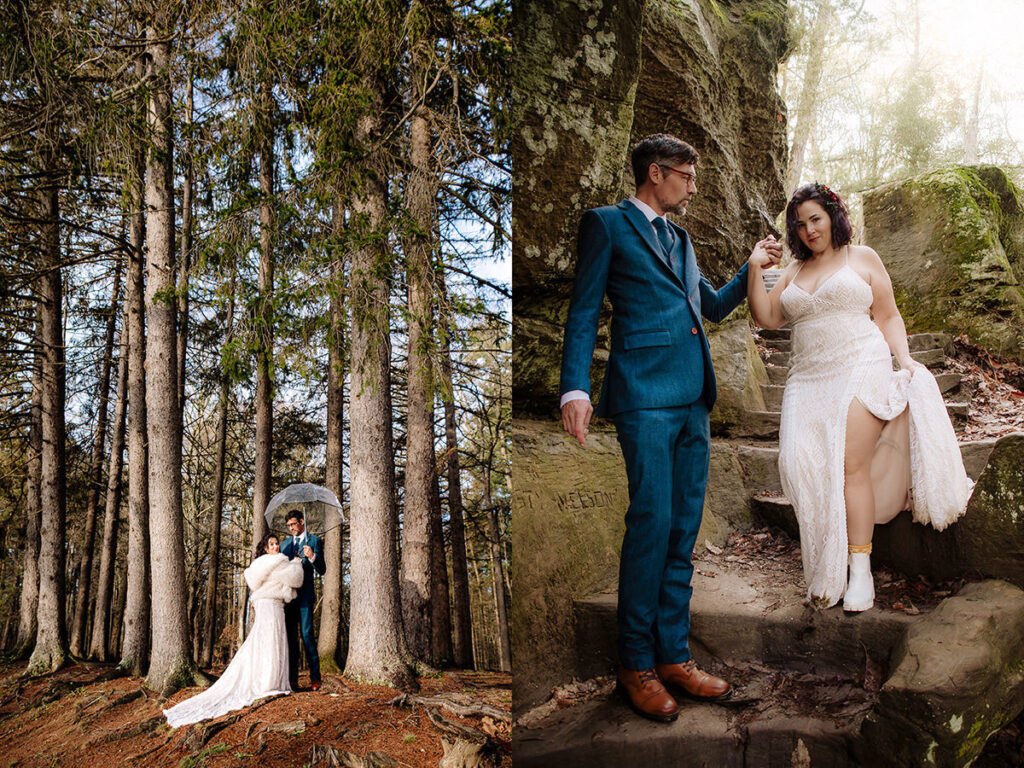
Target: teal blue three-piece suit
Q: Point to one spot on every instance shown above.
(298, 614)
(658, 390)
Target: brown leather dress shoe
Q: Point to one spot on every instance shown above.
(694, 682)
(647, 696)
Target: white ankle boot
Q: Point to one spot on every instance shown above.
(860, 589)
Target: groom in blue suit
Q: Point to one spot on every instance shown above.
(298, 614)
(658, 390)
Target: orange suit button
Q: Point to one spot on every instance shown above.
(693, 331)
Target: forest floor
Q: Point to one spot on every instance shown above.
(82, 717)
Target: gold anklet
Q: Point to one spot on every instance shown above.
(860, 549)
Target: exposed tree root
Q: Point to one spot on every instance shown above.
(323, 756)
(126, 732)
(455, 707)
(464, 754)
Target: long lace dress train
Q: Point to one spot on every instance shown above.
(839, 353)
(260, 667)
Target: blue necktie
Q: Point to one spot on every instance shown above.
(665, 235)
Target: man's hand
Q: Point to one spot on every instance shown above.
(307, 551)
(766, 253)
(576, 419)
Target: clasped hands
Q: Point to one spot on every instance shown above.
(766, 253)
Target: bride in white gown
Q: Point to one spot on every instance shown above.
(260, 668)
(858, 441)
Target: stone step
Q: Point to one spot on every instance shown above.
(947, 382)
(775, 334)
(773, 396)
(933, 358)
(604, 733)
(777, 373)
(795, 669)
(759, 425)
(751, 609)
(760, 463)
(919, 342)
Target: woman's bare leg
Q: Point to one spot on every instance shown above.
(862, 431)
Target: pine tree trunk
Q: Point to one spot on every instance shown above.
(331, 637)
(213, 570)
(440, 600)
(134, 646)
(30, 572)
(171, 665)
(460, 571)
(51, 648)
(99, 645)
(185, 262)
(264, 329)
(419, 463)
(377, 650)
(497, 582)
(95, 478)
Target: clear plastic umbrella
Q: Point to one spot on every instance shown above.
(319, 506)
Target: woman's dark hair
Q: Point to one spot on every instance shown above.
(663, 149)
(842, 230)
(261, 548)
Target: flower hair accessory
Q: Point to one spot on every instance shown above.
(832, 201)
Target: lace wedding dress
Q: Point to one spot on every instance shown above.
(260, 668)
(838, 353)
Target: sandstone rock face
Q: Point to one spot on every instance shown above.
(958, 675)
(988, 539)
(739, 372)
(709, 77)
(991, 533)
(576, 69)
(592, 77)
(569, 508)
(953, 242)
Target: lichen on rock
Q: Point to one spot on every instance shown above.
(953, 242)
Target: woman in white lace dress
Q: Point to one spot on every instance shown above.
(855, 436)
(260, 668)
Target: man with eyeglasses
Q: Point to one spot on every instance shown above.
(658, 389)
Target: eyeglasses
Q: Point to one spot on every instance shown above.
(688, 177)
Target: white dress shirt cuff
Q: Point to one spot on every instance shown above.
(573, 394)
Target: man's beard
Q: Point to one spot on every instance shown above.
(679, 208)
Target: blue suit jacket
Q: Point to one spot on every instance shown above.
(306, 594)
(660, 356)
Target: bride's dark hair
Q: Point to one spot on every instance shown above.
(261, 548)
(842, 230)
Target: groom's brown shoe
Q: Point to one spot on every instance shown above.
(694, 682)
(647, 696)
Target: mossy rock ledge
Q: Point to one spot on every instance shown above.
(958, 676)
(953, 242)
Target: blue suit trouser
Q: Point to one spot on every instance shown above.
(667, 453)
(298, 619)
